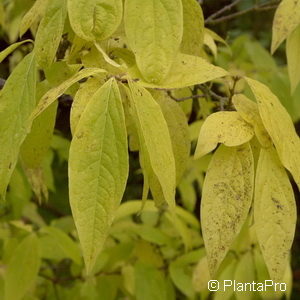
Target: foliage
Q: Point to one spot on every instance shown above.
(105, 204)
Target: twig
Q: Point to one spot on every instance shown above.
(261, 7)
(184, 98)
(223, 9)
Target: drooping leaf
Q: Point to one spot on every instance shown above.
(98, 169)
(249, 112)
(81, 99)
(154, 142)
(11, 48)
(225, 127)
(154, 31)
(179, 133)
(56, 92)
(17, 101)
(187, 70)
(293, 57)
(34, 13)
(22, 268)
(94, 20)
(286, 19)
(49, 32)
(193, 28)
(226, 199)
(280, 127)
(274, 212)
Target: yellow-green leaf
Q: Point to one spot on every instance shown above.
(154, 141)
(22, 268)
(81, 99)
(249, 112)
(17, 101)
(11, 48)
(34, 13)
(201, 275)
(98, 169)
(226, 199)
(226, 127)
(280, 127)
(154, 31)
(187, 70)
(193, 28)
(179, 132)
(293, 57)
(49, 32)
(286, 19)
(56, 92)
(95, 20)
(274, 212)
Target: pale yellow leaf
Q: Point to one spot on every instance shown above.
(11, 48)
(56, 92)
(226, 199)
(249, 112)
(293, 57)
(274, 212)
(226, 127)
(286, 19)
(49, 32)
(154, 142)
(154, 31)
(193, 26)
(33, 14)
(98, 169)
(94, 20)
(17, 101)
(280, 127)
(179, 132)
(81, 99)
(201, 275)
(187, 70)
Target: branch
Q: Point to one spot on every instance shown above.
(184, 98)
(219, 12)
(261, 7)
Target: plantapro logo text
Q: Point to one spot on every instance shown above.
(267, 285)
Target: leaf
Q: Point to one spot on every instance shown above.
(98, 169)
(286, 19)
(49, 32)
(94, 20)
(11, 48)
(293, 57)
(226, 199)
(38, 141)
(22, 268)
(225, 127)
(280, 127)
(201, 275)
(187, 70)
(150, 283)
(154, 31)
(81, 99)
(56, 92)
(193, 28)
(274, 212)
(154, 141)
(179, 133)
(64, 243)
(37, 10)
(17, 101)
(249, 112)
